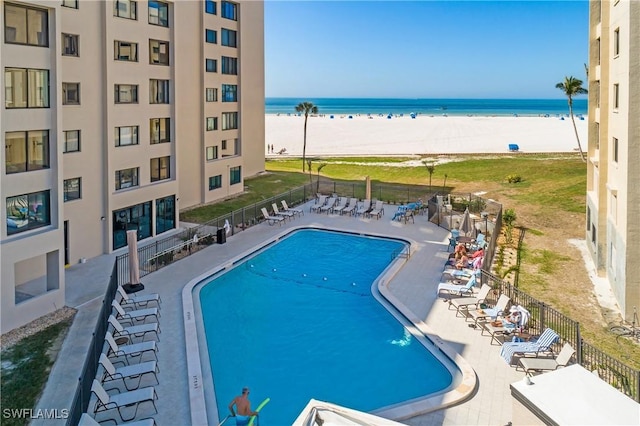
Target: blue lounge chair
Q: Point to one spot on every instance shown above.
(541, 344)
(457, 289)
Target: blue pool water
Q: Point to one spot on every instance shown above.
(298, 321)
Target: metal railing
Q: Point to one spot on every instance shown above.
(82, 395)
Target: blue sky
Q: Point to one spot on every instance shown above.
(424, 49)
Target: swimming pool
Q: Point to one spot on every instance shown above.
(298, 320)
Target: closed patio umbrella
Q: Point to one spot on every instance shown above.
(368, 190)
(465, 225)
(134, 267)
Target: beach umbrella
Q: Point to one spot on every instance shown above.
(465, 225)
(368, 190)
(134, 267)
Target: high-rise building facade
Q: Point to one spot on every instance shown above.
(613, 177)
(115, 115)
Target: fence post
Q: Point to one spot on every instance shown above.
(232, 223)
(543, 308)
(578, 344)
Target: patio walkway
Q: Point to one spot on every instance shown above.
(415, 286)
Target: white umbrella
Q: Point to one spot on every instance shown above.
(465, 225)
(368, 190)
(134, 267)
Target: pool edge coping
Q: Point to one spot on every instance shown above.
(197, 401)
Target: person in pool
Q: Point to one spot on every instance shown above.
(243, 406)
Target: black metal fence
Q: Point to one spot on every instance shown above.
(616, 373)
(83, 389)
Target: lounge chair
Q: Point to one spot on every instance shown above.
(340, 206)
(457, 289)
(137, 301)
(402, 210)
(271, 220)
(495, 312)
(319, 203)
(135, 371)
(542, 344)
(135, 315)
(470, 303)
(364, 208)
(87, 420)
(286, 208)
(284, 213)
(531, 365)
(351, 207)
(132, 350)
(135, 330)
(328, 205)
(107, 402)
(378, 210)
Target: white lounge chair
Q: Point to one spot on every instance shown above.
(351, 207)
(286, 208)
(284, 213)
(322, 199)
(271, 220)
(135, 371)
(107, 402)
(378, 210)
(340, 206)
(138, 301)
(132, 350)
(457, 289)
(135, 330)
(469, 303)
(87, 420)
(493, 313)
(364, 208)
(135, 315)
(531, 365)
(328, 205)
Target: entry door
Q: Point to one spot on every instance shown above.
(66, 242)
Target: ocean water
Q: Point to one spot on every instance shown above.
(482, 107)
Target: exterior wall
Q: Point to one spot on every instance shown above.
(85, 227)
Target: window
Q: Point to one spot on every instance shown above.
(616, 96)
(71, 141)
(211, 65)
(236, 146)
(229, 120)
(210, 7)
(158, 52)
(26, 88)
(229, 38)
(158, 91)
(71, 189)
(229, 93)
(210, 36)
(212, 153)
(125, 9)
(70, 93)
(588, 218)
(28, 211)
(212, 94)
(159, 13)
(26, 25)
(137, 218)
(229, 65)
(127, 135)
(159, 130)
(26, 151)
(229, 10)
(616, 42)
(70, 45)
(126, 94)
(70, 3)
(615, 149)
(212, 123)
(215, 182)
(125, 51)
(160, 168)
(165, 214)
(127, 178)
(224, 145)
(235, 175)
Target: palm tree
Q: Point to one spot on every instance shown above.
(306, 107)
(430, 168)
(571, 87)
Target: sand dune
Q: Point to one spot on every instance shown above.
(422, 135)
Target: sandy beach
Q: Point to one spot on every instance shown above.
(425, 134)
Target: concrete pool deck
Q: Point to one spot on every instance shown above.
(414, 286)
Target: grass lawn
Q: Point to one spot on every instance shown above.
(549, 202)
(25, 369)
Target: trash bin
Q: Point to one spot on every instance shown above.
(221, 236)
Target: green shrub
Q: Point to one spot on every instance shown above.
(514, 178)
(509, 217)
